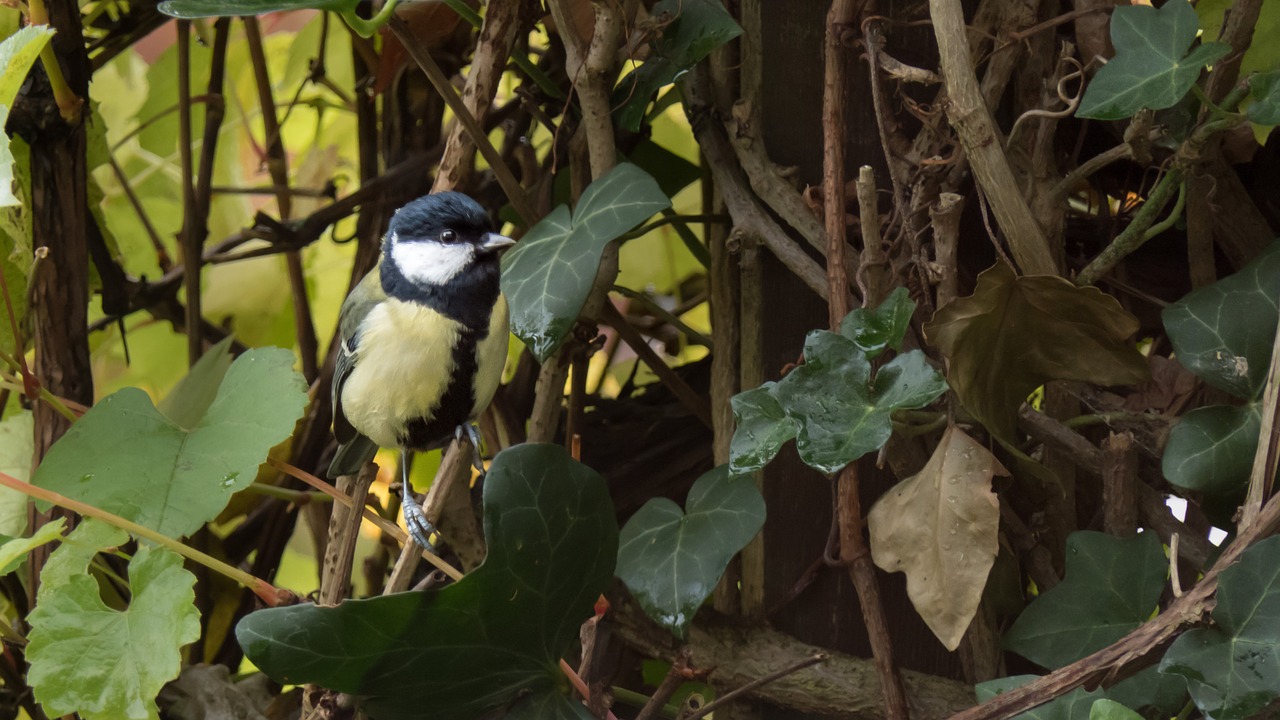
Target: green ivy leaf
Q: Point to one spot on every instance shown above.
(1264, 88)
(761, 427)
(1111, 710)
(90, 659)
(484, 641)
(693, 29)
(1233, 668)
(671, 560)
(843, 412)
(549, 274)
(127, 458)
(884, 326)
(1111, 587)
(1211, 450)
(1075, 705)
(1152, 67)
(1223, 333)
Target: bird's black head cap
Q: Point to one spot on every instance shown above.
(430, 214)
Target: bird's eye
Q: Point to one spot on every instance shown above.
(448, 236)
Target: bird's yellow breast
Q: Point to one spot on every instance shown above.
(404, 363)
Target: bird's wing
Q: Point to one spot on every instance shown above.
(362, 299)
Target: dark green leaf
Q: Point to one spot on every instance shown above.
(1264, 88)
(1152, 67)
(1223, 333)
(100, 662)
(761, 427)
(125, 457)
(1233, 668)
(1111, 710)
(671, 560)
(844, 414)
(236, 8)
(549, 274)
(874, 330)
(1211, 450)
(484, 641)
(694, 28)
(1151, 689)
(1075, 705)
(1112, 586)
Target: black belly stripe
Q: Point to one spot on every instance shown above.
(430, 432)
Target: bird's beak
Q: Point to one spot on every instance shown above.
(494, 242)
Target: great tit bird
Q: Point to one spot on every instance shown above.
(423, 339)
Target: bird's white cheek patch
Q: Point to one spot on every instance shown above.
(431, 263)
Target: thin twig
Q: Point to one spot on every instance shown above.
(739, 692)
(695, 403)
(1265, 457)
(675, 676)
(1135, 234)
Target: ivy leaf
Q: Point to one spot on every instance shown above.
(1211, 450)
(549, 274)
(1223, 333)
(1264, 88)
(1014, 334)
(127, 458)
(1112, 586)
(482, 642)
(941, 528)
(90, 659)
(691, 30)
(1152, 67)
(884, 326)
(1111, 710)
(843, 412)
(1075, 705)
(671, 560)
(1233, 668)
(761, 427)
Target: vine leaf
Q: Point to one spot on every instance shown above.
(15, 550)
(1111, 587)
(1233, 668)
(97, 661)
(761, 427)
(941, 528)
(549, 274)
(18, 53)
(1075, 705)
(832, 404)
(882, 327)
(1014, 334)
(693, 28)
(17, 447)
(127, 458)
(1105, 709)
(1211, 450)
(671, 559)
(552, 541)
(1154, 66)
(1264, 88)
(1223, 333)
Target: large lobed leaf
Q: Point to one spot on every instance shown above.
(1111, 587)
(695, 28)
(671, 560)
(1223, 333)
(127, 458)
(832, 405)
(1016, 333)
(1233, 668)
(941, 528)
(487, 640)
(1152, 67)
(549, 274)
(90, 659)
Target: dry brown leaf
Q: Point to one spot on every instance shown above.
(940, 527)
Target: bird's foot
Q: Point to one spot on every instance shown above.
(420, 528)
(473, 434)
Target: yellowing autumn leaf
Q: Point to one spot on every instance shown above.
(940, 528)
(1013, 334)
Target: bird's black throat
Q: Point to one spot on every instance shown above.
(467, 298)
(428, 433)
